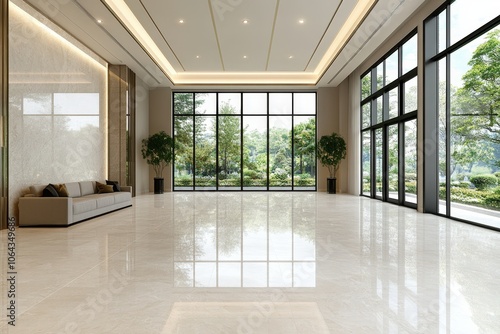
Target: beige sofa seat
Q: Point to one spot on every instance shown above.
(82, 203)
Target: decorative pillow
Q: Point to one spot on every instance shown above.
(50, 191)
(115, 184)
(103, 188)
(61, 189)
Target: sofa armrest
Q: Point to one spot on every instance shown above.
(126, 188)
(34, 211)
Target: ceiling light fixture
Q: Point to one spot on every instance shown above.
(245, 21)
(99, 21)
(301, 21)
(181, 21)
(290, 57)
(244, 57)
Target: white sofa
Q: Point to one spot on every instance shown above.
(82, 203)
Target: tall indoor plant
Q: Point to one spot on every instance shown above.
(331, 150)
(157, 149)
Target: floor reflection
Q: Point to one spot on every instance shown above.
(259, 263)
(251, 240)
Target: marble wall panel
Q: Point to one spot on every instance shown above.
(57, 106)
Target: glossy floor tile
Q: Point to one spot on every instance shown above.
(256, 262)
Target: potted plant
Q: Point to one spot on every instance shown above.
(331, 150)
(157, 149)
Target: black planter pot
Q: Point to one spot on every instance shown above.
(331, 185)
(159, 182)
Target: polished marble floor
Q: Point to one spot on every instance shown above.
(256, 262)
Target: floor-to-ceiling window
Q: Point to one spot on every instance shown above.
(463, 111)
(245, 141)
(389, 127)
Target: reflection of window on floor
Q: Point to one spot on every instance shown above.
(227, 241)
(245, 141)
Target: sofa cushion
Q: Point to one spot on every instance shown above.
(73, 189)
(87, 188)
(61, 189)
(50, 191)
(105, 200)
(115, 184)
(83, 204)
(122, 197)
(103, 188)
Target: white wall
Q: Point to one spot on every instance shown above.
(160, 118)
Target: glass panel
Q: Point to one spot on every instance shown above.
(411, 102)
(280, 152)
(229, 227)
(477, 13)
(304, 148)
(205, 232)
(254, 152)
(229, 103)
(76, 103)
(183, 160)
(442, 135)
(410, 138)
(280, 238)
(442, 31)
(380, 109)
(393, 103)
(229, 275)
(205, 274)
(37, 104)
(183, 103)
(255, 103)
(229, 141)
(474, 129)
(391, 68)
(304, 103)
(280, 103)
(366, 117)
(205, 103)
(366, 163)
(393, 163)
(378, 163)
(410, 55)
(254, 274)
(380, 76)
(366, 86)
(205, 154)
(254, 229)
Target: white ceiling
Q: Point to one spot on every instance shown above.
(213, 46)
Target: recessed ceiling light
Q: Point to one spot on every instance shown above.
(290, 57)
(197, 57)
(181, 21)
(244, 57)
(245, 21)
(301, 21)
(99, 21)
